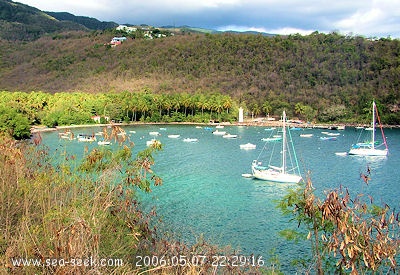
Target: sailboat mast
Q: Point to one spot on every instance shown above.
(373, 124)
(284, 143)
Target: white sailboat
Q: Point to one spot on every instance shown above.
(282, 174)
(372, 147)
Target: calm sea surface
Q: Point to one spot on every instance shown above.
(203, 190)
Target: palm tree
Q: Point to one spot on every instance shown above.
(126, 102)
(158, 101)
(202, 103)
(267, 108)
(185, 99)
(193, 103)
(134, 105)
(143, 106)
(299, 109)
(219, 105)
(256, 110)
(227, 103)
(211, 105)
(167, 103)
(176, 102)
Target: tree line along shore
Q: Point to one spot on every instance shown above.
(20, 111)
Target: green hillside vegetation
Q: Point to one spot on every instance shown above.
(88, 22)
(63, 206)
(329, 77)
(19, 110)
(23, 22)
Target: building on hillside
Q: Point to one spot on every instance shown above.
(117, 40)
(126, 28)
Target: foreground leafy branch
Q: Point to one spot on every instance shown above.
(352, 233)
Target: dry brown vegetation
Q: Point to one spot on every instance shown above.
(347, 234)
(319, 70)
(54, 209)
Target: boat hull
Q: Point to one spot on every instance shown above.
(190, 140)
(247, 146)
(104, 143)
(368, 152)
(86, 138)
(274, 176)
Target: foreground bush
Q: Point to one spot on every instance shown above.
(347, 234)
(82, 217)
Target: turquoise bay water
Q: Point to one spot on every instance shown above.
(203, 191)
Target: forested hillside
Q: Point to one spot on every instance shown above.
(334, 75)
(19, 22)
(88, 22)
(23, 22)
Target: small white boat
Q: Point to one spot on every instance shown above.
(153, 142)
(341, 153)
(190, 140)
(328, 138)
(219, 133)
(278, 138)
(66, 135)
(333, 134)
(281, 174)
(269, 129)
(246, 175)
(154, 133)
(229, 136)
(103, 142)
(306, 135)
(86, 138)
(132, 132)
(174, 136)
(248, 146)
(295, 129)
(372, 147)
(163, 129)
(219, 126)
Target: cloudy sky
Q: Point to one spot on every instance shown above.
(368, 18)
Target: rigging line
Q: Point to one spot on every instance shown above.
(273, 150)
(294, 153)
(262, 150)
(380, 126)
(265, 145)
(380, 145)
(359, 135)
